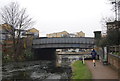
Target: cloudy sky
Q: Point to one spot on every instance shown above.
(69, 15)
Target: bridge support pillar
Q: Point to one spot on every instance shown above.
(45, 54)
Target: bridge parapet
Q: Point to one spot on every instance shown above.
(86, 40)
(64, 42)
(74, 53)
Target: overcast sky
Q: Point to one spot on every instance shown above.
(69, 15)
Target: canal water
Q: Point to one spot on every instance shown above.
(34, 70)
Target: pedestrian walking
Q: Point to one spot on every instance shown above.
(94, 53)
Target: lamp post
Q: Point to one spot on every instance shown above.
(116, 10)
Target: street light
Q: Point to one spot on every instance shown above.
(116, 10)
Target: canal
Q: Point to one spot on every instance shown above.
(34, 70)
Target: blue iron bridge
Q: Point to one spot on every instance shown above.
(64, 42)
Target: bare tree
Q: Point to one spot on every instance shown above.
(18, 19)
(116, 8)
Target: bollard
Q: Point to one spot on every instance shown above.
(83, 61)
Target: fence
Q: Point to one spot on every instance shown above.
(114, 58)
(114, 49)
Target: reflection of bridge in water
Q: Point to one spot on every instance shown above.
(45, 48)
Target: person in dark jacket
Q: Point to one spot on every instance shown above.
(94, 53)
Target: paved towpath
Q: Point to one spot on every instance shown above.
(101, 71)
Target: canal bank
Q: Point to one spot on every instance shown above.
(80, 71)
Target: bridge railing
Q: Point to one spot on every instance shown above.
(73, 52)
(79, 40)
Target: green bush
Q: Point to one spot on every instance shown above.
(116, 53)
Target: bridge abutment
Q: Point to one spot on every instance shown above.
(45, 54)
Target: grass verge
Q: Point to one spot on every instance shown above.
(80, 71)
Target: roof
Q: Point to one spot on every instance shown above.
(113, 22)
(59, 32)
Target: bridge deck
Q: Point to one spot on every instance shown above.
(64, 42)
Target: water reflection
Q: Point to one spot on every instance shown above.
(20, 75)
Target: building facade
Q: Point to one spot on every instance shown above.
(71, 35)
(6, 39)
(33, 32)
(66, 34)
(6, 44)
(113, 25)
(80, 34)
(5, 31)
(59, 34)
(30, 33)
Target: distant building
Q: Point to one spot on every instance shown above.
(33, 31)
(72, 35)
(66, 34)
(5, 31)
(59, 34)
(30, 33)
(103, 34)
(80, 34)
(5, 38)
(113, 25)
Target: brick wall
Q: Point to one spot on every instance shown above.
(114, 61)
